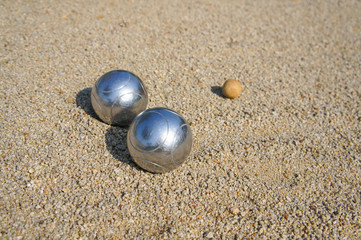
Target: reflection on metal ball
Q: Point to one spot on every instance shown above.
(118, 97)
(159, 140)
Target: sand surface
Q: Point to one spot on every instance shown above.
(280, 161)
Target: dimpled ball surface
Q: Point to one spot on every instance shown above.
(118, 97)
(159, 140)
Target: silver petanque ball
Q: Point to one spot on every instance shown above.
(159, 140)
(118, 97)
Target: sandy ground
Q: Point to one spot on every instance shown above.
(281, 161)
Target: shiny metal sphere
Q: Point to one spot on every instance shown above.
(118, 97)
(159, 140)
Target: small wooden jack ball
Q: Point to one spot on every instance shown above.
(231, 88)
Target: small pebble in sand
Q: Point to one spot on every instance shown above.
(231, 88)
(234, 210)
(208, 235)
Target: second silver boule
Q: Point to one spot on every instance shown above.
(159, 140)
(118, 97)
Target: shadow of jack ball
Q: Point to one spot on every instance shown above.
(159, 140)
(118, 97)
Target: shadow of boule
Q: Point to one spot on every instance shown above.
(83, 101)
(116, 143)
